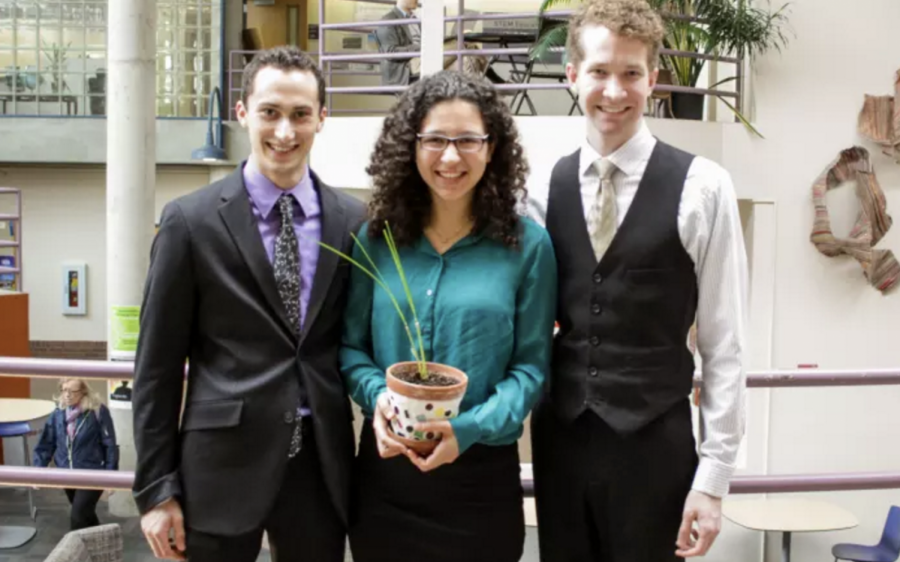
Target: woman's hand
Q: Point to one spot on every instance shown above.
(446, 451)
(387, 444)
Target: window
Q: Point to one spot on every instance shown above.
(53, 56)
(188, 58)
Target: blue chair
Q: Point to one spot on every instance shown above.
(888, 550)
(21, 429)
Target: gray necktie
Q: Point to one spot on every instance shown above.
(603, 217)
(287, 278)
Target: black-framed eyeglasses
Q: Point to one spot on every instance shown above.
(467, 144)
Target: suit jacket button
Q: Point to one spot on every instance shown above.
(598, 278)
(595, 341)
(595, 308)
(593, 371)
(289, 417)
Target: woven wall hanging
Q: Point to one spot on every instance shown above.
(879, 120)
(879, 266)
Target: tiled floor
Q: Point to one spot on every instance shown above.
(53, 522)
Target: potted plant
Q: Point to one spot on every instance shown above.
(418, 390)
(56, 65)
(710, 27)
(721, 27)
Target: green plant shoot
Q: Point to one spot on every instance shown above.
(418, 351)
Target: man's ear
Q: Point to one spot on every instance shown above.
(654, 76)
(323, 113)
(572, 76)
(241, 110)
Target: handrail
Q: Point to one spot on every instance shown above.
(520, 86)
(753, 484)
(123, 480)
(459, 52)
(362, 24)
(30, 367)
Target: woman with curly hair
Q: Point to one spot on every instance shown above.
(448, 173)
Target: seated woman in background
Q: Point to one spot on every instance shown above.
(79, 434)
(448, 172)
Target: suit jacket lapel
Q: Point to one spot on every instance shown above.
(238, 217)
(334, 228)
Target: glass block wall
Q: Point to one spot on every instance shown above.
(53, 56)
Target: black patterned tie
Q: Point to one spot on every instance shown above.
(287, 278)
(287, 262)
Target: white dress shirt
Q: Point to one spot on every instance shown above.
(709, 226)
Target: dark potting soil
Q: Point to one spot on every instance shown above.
(434, 379)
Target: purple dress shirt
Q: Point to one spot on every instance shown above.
(307, 223)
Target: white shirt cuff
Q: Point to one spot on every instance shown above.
(713, 478)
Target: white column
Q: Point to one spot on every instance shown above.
(130, 189)
(432, 14)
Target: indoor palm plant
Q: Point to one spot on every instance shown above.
(711, 27)
(56, 65)
(418, 390)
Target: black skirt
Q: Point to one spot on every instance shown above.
(468, 510)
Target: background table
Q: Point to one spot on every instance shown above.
(788, 515)
(14, 410)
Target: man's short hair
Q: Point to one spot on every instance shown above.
(285, 58)
(629, 18)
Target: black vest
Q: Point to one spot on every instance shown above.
(622, 346)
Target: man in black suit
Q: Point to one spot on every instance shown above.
(238, 286)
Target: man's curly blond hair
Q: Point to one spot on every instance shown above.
(629, 18)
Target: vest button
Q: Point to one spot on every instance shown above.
(595, 308)
(593, 371)
(288, 417)
(595, 341)
(597, 278)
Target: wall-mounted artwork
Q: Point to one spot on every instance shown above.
(74, 281)
(879, 120)
(879, 266)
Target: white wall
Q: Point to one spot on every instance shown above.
(807, 101)
(64, 215)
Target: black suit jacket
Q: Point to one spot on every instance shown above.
(210, 297)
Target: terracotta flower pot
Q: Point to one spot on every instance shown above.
(413, 403)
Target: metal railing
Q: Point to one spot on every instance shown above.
(235, 74)
(778, 378)
(522, 86)
(752, 484)
(789, 483)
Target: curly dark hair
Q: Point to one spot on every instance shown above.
(400, 195)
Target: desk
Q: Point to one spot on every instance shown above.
(504, 40)
(788, 515)
(70, 101)
(14, 410)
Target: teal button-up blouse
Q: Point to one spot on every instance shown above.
(484, 308)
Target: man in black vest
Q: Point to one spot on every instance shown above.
(648, 240)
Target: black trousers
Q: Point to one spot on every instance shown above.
(84, 508)
(468, 510)
(303, 526)
(604, 497)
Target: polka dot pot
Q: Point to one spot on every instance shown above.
(414, 403)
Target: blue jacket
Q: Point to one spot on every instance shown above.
(94, 447)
